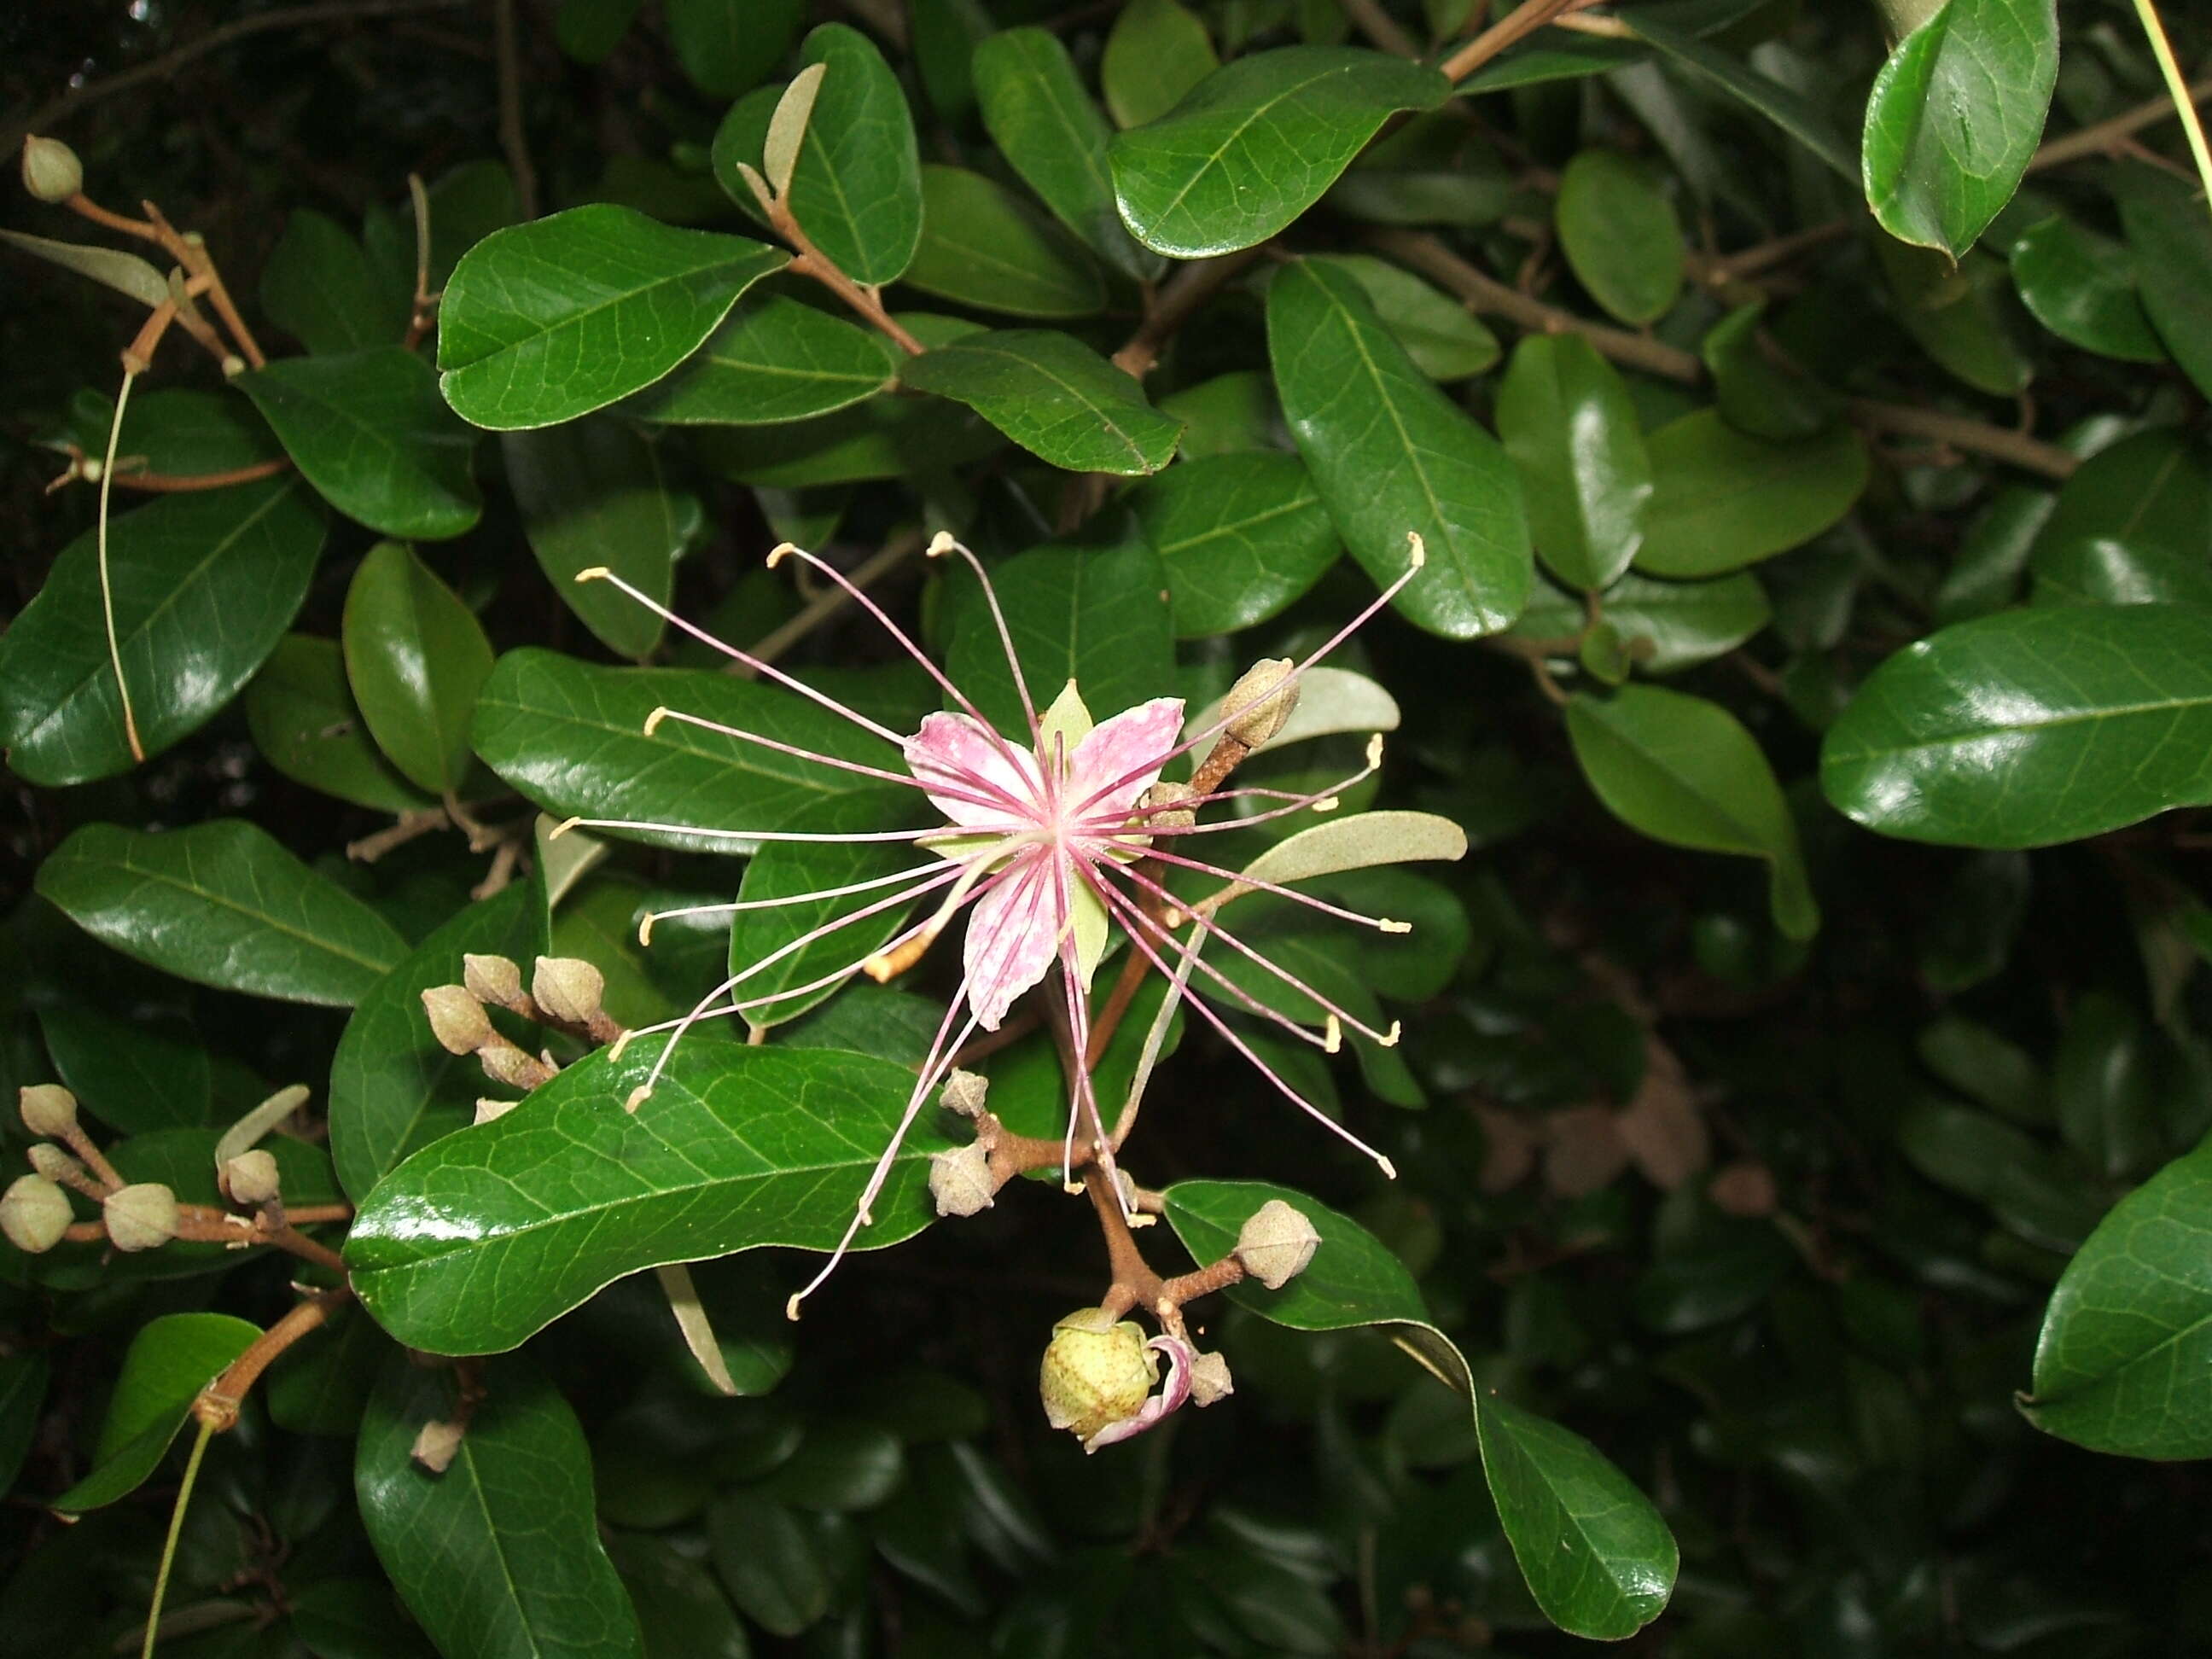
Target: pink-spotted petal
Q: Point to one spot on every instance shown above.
(1013, 936)
(954, 751)
(1125, 752)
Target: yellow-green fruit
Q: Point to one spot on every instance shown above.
(1095, 1372)
(34, 1213)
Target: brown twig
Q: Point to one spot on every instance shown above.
(171, 484)
(512, 142)
(808, 260)
(2104, 137)
(1177, 302)
(2000, 443)
(1516, 25)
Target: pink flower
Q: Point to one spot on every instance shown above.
(1040, 843)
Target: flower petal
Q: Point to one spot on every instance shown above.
(1176, 1390)
(1125, 752)
(1013, 934)
(954, 752)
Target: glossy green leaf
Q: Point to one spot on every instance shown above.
(221, 903)
(1566, 420)
(1228, 415)
(1759, 389)
(180, 432)
(1097, 618)
(1620, 236)
(592, 493)
(1801, 118)
(480, 1239)
(205, 585)
(2172, 241)
(393, 1087)
(571, 737)
(319, 287)
(881, 438)
(1664, 626)
(305, 724)
(549, 321)
(368, 429)
(1156, 52)
(134, 1074)
(2082, 286)
(1955, 116)
(2133, 526)
(1684, 771)
(681, 1610)
(1439, 333)
(1240, 536)
(727, 46)
(170, 1360)
(781, 869)
(772, 359)
(1722, 500)
(2030, 727)
(1391, 454)
(1352, 1279)
(22, 1395)
(2127, 1338)
(1960, 315)
(857, 189)
(1036, 111)
(1054, 397)
(982, 246)
(498, 1556)
(415, 657)
(1255, 144)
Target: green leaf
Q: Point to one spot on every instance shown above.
(2171, 239)
(1097, 618)
(319, 287)
(499, 1556)
(1759, 390)
(1798, 116)
(684, 1612)
(181, 432)
(134, 1074)
(22, 1395)
(1043, 122)
(1955, 117)
(1240, 536)
(1391, 454)
(1054, 397)
(2105, 1084)
(205, 585)
(857, 189)
(170, 1360)
(1156, 52)
(415, 657)
(1666, 626)
(2030, 727)
(594, 492)
(369, 431)
(1353, 1278)
(1958, 315)
(393, 1087)
(982, 246)
(1618, 231)
(1684, 771)
(571, 737)
(480, 1239)
(321, 1383)
(881, 438)
(772, 359)
(771, 1563)
(2131, 526)
(1567, 421)
(2127, 1339)
(304, 721)
(1722, 500)
(2082, 286)
(1255, 144)
(220, 904)
(727, 46)
(466, 205)
(549, 321)
(1439, 333)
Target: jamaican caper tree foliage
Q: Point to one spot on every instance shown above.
(629, 625)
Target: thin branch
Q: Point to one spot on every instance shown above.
(216, 1406)
(828, 603)
(171, 484)
(1516, 25)
(1177, 302)
(511, 141)
(2104, 136)
(1379, 26)
(1999, 443)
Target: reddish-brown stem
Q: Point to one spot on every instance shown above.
(1135, 1284)
(91, 1157)
(1177, 302)
(309, 1215)
(191, 253)
(218, 1403)
(808, 260)
(84, 207)
(168, 483)
(1521, 21)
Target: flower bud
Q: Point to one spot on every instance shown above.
(505, 1063)
(141, 1217)
(1095, 1372)
(1156, 809)
(1210, 1380)
(1275, 1244)
(1259, 705)
(492, 979)
(34, 1213)
(961, 1180)
(569, 988)
(457, 1020)
(52, 1162)
(52, 171)
(48, 1109)
(251, 1177)
(965, 1093)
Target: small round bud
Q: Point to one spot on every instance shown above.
(1095, 1372)
(457, 1020)
(965, 1093)
(52, 1162)
(492, 979)
(251, 1177)
(1276, 1244)
(34, 1213)
(569, 988)
(51, 170)
(1155, 807)
(141, 1217)
(1210, 1380)
(48, 1109)
(961, 1180)
(1259, 705)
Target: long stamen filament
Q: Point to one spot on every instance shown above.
(653, 918)
(942, 543)
(919, 837)
(1003, 802)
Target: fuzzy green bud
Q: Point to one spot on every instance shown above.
(457, 1020)
(962, 1181)
(1275, 1244)
(34, 1213)
(52, 1162)
(1259, 705)
(48, 1109)
(1095, 1371)
(569, 988)
(141, 1217)
(52, 171)
(251, 1177)
(492, 979)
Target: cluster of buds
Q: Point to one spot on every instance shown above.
(35, 1214)
(968, 1178)
(566, 994)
